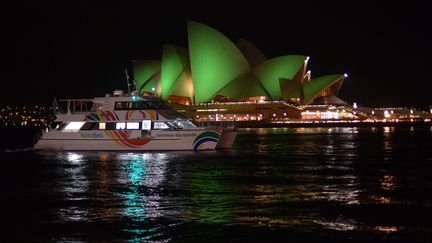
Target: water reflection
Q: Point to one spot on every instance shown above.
(386, 129)
(77, 214)
(380, 199)
(315, 181)
(144, 174)
(74, 186)
(262, 148)
(347, 195)
(213, 197)
(388, 183)
(386, 229)
(74, 158)
(135, 203)
(340, 224)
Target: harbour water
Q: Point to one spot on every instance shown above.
(361, 184)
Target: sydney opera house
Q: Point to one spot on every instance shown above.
(216, 80)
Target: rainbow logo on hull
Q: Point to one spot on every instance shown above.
(204, 137)
(121, 137)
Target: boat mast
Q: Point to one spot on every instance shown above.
(127, 80)
(55, 107)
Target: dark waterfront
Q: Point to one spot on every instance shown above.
(283, 184)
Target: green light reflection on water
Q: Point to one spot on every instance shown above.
(135, 203)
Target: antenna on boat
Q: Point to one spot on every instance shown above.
(55, 107)
(127, 80)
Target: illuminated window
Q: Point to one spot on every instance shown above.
(146, 125)
(73, 126)
(132, 125)
(160, 125)
(102, 126)
(187, 124)
(120, 125)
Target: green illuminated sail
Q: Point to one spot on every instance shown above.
(272, 70)
(290, 88)
(251, 52)
(147, 75)
(314, 87)
(176, 78)
(215, 60)
(245, 86)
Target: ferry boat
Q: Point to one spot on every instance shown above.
(128, 122)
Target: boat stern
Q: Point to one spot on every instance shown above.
(227, 138)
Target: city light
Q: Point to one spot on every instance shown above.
(386, 114)
(29, 116)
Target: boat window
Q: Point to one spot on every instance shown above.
(132, 125)
(174, 124)
(187, 123)
(120, 126)
(132, 105)
(80, 105)
(88, 105)
(88, 126)
(180, 124)
(121, 106)
(97, 106)
(110, 126)
(146, 125)
(139, 105)
(61, 126)
(55, 125)
(157, 105)
(63, 107)
(102, 126)
(73, 126)
(160, 125)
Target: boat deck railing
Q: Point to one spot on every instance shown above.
(74, 106)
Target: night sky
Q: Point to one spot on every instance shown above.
(80, 51)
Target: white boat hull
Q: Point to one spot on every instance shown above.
(194, 139)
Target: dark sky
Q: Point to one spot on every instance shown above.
(80, 50)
